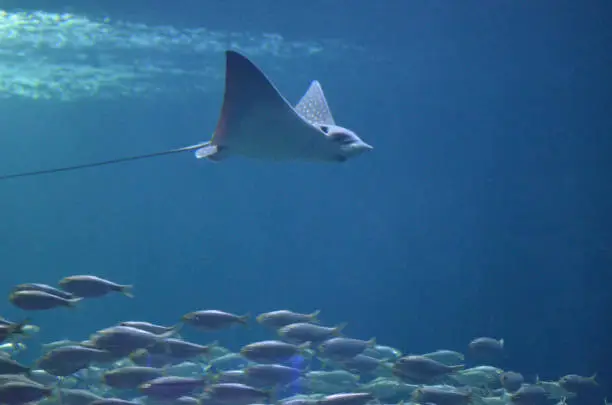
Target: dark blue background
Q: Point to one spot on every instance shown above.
(484, 209)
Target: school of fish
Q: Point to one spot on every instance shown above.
(136, 362)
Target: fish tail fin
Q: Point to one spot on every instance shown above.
(176, 328)
(304, 348)
(469, 394)
(171, 333)
(29, 330)
(272, 395)
(28, 372)
(208, 348)
(244, 319)
(211, 372)
(73, 302)
(19, 347)
(457, 368)
(127, 290)
(314, 317)
(339, 328)
(386, 364)
(19, 327)
(58, 388)
(166, 369)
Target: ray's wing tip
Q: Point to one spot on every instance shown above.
(235, 56)
(237, 62)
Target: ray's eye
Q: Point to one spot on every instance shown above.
(324, 128)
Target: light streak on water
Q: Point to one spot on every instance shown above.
(48, 56)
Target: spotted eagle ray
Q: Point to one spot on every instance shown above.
(256, 121)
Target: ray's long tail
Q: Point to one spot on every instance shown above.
(103, 163)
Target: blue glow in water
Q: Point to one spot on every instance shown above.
(298, 362)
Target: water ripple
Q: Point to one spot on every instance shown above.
(48, 56)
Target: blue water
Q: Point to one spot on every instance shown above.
(483, 209)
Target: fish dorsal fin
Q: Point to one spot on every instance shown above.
(313, 106)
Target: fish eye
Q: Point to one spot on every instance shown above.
(324, 128)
